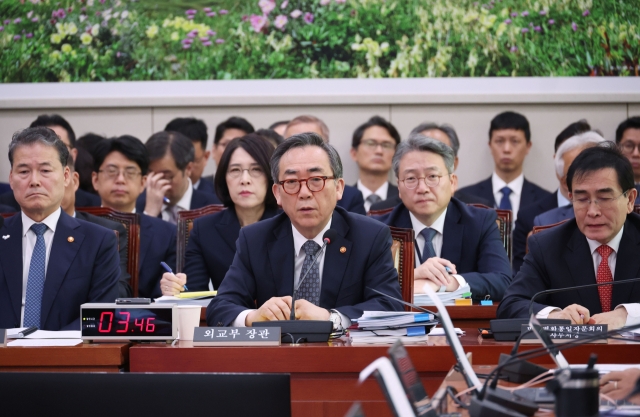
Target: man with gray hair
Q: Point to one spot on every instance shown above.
(274, 254)
(565, 155)
(455, 244)
(65, 262)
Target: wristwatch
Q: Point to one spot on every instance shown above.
(336, 319)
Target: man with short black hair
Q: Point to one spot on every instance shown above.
(372, 148)
(169, 188)
(598, 246)
(628, 139)
(510, 142)
(196, 130)
(273, 255)
(50, 263)
(233, 127)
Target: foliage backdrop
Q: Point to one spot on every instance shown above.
(98, 40)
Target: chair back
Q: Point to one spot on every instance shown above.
(185, 224)
(504, 226)
(538, 229)
(131, 223)
(403, 252)
(379, 212)
(636, 208)
(7, 215)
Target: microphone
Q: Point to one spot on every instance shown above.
(328, 236)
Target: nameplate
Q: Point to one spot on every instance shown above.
(236, 336)
(566, 333)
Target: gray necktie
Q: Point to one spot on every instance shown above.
(374, 198)
(310, 289)
(427, 250)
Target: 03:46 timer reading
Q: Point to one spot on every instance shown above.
(106, 322)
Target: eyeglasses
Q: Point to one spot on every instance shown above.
(602, 202)
(373, 144)
(628, 147)
(314, 184)
(127, 173)
(236, 172)
(430, 181)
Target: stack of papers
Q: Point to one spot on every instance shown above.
(383, 327)
(447, 298)
(44, 338)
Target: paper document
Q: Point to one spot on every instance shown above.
(203, 302)
(44, 342)
(44, 334)
(447, 298)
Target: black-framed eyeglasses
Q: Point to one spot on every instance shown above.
(373, 144)
(628, 147)
(314, 184)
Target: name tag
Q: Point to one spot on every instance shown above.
(236, 336)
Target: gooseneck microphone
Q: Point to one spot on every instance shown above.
(327, 238)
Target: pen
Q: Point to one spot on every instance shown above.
(26, 332)
(165, 200)
(168, 269)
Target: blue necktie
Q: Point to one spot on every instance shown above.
(35, 282)
(310, 289)
(427, 250)
(505, 203)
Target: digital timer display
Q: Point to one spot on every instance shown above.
(126, 322)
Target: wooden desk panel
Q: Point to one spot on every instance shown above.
(324, 376)
(103, 357)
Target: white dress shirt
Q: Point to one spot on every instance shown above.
(298, 242)
(562, 200)
(514, 197)
(183, 204)
(28, 244)
(437, 241)
(380, 192)
(195, 186)
(633, 309)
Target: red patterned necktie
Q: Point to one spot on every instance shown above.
(604, 275)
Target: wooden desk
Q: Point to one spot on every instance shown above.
(104, 357)
(323, 376)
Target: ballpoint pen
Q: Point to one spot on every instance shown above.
(168, 269)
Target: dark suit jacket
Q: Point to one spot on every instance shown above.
(198, 200)
(4, 187)
(352, 200)
(83, 271)
(206, 186)
(638, 197)
(6, 209)
(524, 224)
(263, 267)
(462, 196)
(124, 289)
(471, 241)
(212, 246)
(158, 240)
(554, 215)
(560, 257)
(531, 193)
(83, 199)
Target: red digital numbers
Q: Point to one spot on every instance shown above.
(125, 322)
(150, 326)
(139, 323)
(109, 316)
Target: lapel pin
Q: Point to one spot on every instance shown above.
(70, 239)
(343, 249)
(5, 237)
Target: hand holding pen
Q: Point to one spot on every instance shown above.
(172, 284)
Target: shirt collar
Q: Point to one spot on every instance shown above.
(562, 200)
(515, 185)
(185, 201)
(613, 243)
(299, 240)
(51, 221)
(380, 192)
(195, 186)
(438, 225)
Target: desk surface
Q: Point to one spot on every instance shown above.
(103, 357)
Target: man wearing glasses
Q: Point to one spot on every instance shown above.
(372, 148)
(272, 255)
(628, 139)
(599, 245)
(449, 234)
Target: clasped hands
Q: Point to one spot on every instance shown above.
(580, 315)
(279, 308)
(433, 272)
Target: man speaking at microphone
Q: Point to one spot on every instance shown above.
(601, 244)
(273, 255)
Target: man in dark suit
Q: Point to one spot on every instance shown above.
(447, 135)
(510, 142)
(527, 215)
(448, 232)
(4, 188)
(272, 255)
(50, 263)
(6, 209)
(68, 206)
(554, 216)
(628, 139)
(352, 199)
(169, 188)
(372, 148)
(601, 244)
(120, 171)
